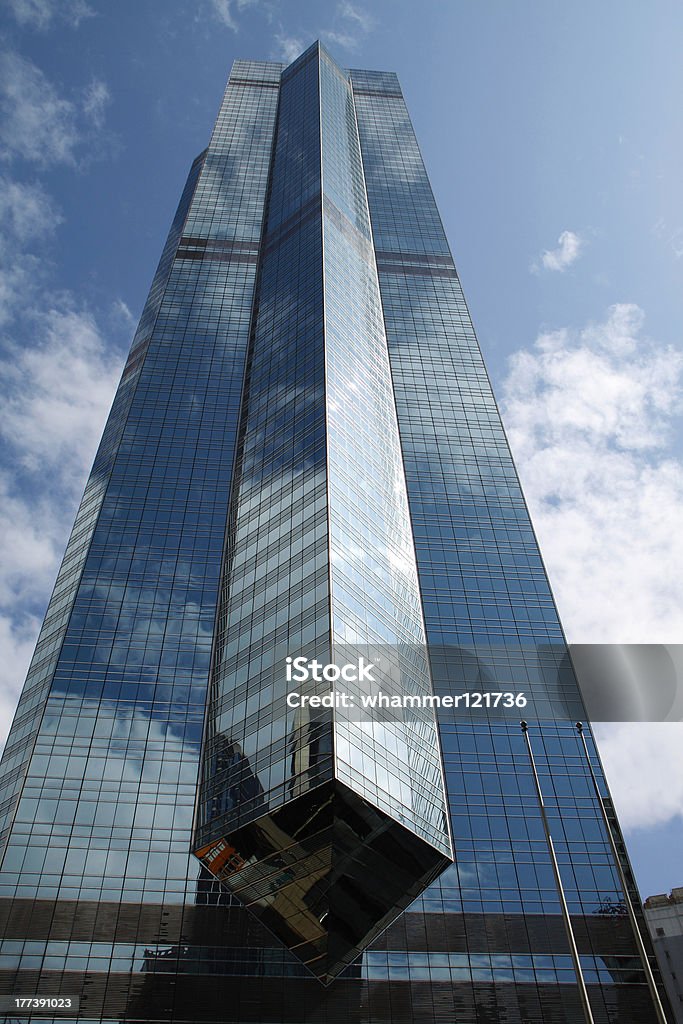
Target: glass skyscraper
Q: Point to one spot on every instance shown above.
(303, 457)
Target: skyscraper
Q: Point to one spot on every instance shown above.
(303, 457)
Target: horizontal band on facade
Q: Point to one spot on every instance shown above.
(193, 241)
(377, 92)
(410, 268)
(259, 82)
(217, 256)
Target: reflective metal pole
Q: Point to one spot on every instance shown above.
(580, 980)
(659, 1009)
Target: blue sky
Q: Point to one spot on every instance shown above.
(553, 137)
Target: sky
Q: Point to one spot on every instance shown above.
(553, 138)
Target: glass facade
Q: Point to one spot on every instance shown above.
(319, 553)
(304, 456)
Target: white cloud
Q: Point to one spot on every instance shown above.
(288, 47)
(123, 317)
(17, 639)
(57, 378)
(18, 277)
(227, 11)
(644, 766)
(345, 40)
(353, 14)
(56, 390)
(40, 13)
(223, 11)
(38, 124)
(568, 251)
(351, 26)
(55, 393)
(671, 235)
(57, 373)
(96, 99)
(29, 532)
(591, 415)
(26, 212)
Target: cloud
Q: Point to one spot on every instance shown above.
(356, 16)
(288, 47)
(227, 11)
(18, 635)
(26, 212)
(96, 99)
(644, 766)
(58, 365)
(40, 13)
(345, 40)
(352, 25)
(17, 278)
(58, 372)
(568, 251)
(38, 124)
(55, 392)
(121, 314)
(591, 415)
(223, 11)
(670, 235)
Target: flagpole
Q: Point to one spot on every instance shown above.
(580, 980)
(652, 985)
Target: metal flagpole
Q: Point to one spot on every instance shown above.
(659, 1009)
(580, 980)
